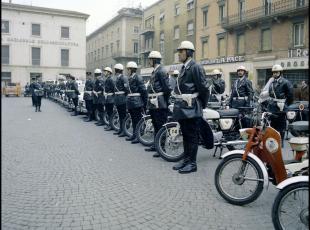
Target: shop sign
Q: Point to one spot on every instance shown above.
(228, 59)
(41, 42)
(294, 63)
(292, 53)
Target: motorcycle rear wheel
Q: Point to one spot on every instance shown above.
(145, 131)
(128, 126)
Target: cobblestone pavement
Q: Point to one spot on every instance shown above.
(59, 172)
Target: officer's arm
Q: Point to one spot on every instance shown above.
(289, 93)
(164, 80)
(222, 86)
(125, 84)
(201, 83)
(249, 89)
(142, 90)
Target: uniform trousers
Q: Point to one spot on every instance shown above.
(279, 124)
(37, 101)
(159, 117)
(136, 115)
(89, 107)
(109, 110)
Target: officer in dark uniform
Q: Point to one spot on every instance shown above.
(136, 98)
(191, 96)
(88, 97)
(67, 94)
(98, 97)
(241, 90)
(281, 96)
(158, 91)
(31, 88)
(75, 95)
(38, 94)
(109, 88)
(218, 85)
(61, 86)
(120, 98)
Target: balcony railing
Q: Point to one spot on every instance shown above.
(278, 8)
(147, 30)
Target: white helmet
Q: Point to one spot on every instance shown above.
(108, 69)
(119, 66)
(176, 72)
(241, 68)
(98, 71)
(216, 72)
(132, 64)
(186, 45)
(155, 54)
(277, 68)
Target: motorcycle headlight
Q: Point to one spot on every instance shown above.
(290, 115)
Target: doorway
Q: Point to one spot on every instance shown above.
(37, 76)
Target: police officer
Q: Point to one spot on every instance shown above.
(88, 96)
(61, 86)
(120, 99)
(191, 96)
(136, 98)
(109, 88)
(158, 91)
(31, 88)
(67, 94)
(281, 95)
(241, 90)
(218, 85)
(75, 95)
(98, 97)
(38, 93)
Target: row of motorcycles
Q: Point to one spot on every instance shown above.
(254, 158)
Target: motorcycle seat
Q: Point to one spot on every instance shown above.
(228, 112)
(299, 127)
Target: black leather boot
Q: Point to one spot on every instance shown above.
(191, 166)
(130, 138)
(150, 149)
(36, 109)
(39, 110)
(181, 164)
(75, 112)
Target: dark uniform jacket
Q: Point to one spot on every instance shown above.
(241, 88)
(109, 88)
(121, 84)
(74, 86)
(31, 88)
(159, 82)
(218, 87)
(89, 86)
(37, 89)
(281, 89)
(136, 85)
(191, 80)
(99, 88)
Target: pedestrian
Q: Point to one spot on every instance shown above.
(74, 95)
(136, 98)
(38, 94)
(109, 87)
(281, 96)
(159, 92)
(218, 85)
(191, 96)
(304, 92)
(120, 99)
(88, 96)
(98, 96)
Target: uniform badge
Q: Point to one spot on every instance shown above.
(272, 145)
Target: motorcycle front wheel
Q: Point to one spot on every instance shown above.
(128, 126)
(291, 207)
(168, 144)
(145, 131)
(239, 182)
(115, 121)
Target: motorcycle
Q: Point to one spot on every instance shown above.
(298, 111)
(242, 174)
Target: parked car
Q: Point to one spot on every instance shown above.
(12, 89)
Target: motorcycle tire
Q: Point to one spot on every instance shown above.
(161, 138)
(97, 117)
(115, 121)
(299, 214)
(128, 126)
(142, 138)
(241, 198)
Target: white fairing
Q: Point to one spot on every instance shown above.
(292, 180)
(226, 123)
(258, 161)
(294, 167)
(210, 114)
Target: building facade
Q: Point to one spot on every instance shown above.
(255, 34)
(42, 43)
(117, 41)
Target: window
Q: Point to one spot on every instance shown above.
(135, 47)
(176, 33)
(221, 44)
(64, 32)
(190, 4)
(266, 39)
(162, 43)
(111, 48)
(35, 29)
(205, 48)
(240, 44)
(298, 33)
(149, 23)
(6, 76)
(268, 5)
(95, 55)
(107, 50)
(136, 29)
(98, 52)
(36, 55)
(300, 3)
(117, 45)
(205, 17)
(221, 12)
(5, 54)
(177, 9)
(5, 26)
(64, 57)
(190, 28)
(161, 17)
(241, 9)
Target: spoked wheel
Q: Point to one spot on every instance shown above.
(128, 126)
(169, 143)
(115, 121)
(239, 182)
(291, 207)
(145, 131)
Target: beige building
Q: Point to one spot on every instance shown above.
(256, 34)
(165, 24)
(117, 41)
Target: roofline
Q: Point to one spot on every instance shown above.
(155, 3)
(37, 9)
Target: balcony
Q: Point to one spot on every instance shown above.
(275, 10)
(127, 55)
(148, 30)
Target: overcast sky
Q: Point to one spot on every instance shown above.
(100, 11)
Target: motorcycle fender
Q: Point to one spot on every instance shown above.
(292, 180)
(176, 123)
(255, 158)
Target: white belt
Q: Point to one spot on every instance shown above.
(37, 90)
(88, 91)
(98, 92)
(186, 97)
(240, 98)
(69, 91)
(119, 92)
(108, 94)
(134, 94)
(155, 94)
